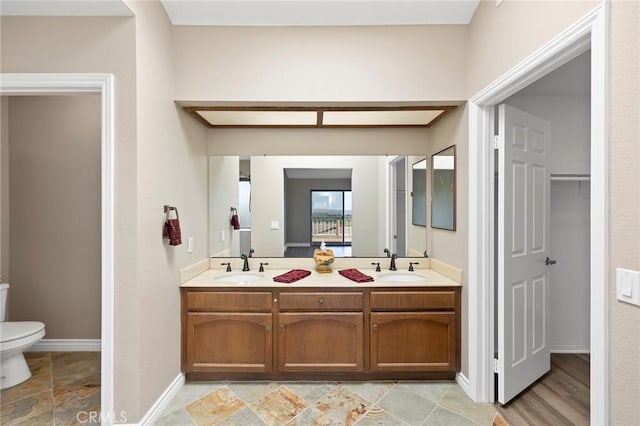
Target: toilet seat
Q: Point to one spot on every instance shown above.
(17, 333)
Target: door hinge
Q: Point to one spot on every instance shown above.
(495, 366)
(497, 142)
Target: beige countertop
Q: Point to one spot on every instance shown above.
(216, 278)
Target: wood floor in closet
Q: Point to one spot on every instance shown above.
(561, 397)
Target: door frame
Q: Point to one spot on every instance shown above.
(32, 84)
(591, 31)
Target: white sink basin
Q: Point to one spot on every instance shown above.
(238, 278)
(405, 277)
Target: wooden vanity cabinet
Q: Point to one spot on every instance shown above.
(320, 331)
(227, 331)
(414, 331)
(363, 333)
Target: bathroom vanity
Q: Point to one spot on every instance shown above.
(322, 327)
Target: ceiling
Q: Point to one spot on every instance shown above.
(64, 8)
(314, 12)
(266, 12)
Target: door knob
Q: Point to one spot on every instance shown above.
(548, 261)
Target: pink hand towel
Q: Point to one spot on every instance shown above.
(235, 221)
(355, 275)
(171, 228)
(292, 275)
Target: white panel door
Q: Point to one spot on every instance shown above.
(523, 245)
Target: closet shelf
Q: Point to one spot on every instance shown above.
(567, 177)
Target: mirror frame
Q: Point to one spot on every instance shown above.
(454, 188)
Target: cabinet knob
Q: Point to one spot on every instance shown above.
(275, 300)
(282, 326)
(267, 327)
(375, 327)
(321, 300)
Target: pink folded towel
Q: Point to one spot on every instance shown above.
(172, 231)
(292, 275)
(235, 221)
(355, 275)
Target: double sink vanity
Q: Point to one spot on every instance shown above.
(242, 325)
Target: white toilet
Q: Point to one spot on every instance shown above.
(15, 338)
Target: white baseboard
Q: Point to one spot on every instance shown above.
(464, 383)
(570, 349)
(163, 401)
(67, 345)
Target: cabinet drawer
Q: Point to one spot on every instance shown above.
(321, 301)
(412, 300)
(231, 301)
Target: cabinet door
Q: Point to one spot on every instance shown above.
(320, 341)
(413, 341)
(229, 342)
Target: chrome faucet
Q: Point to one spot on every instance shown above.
(245, 265)
(392, 267)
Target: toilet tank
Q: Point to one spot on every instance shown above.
(4, 289)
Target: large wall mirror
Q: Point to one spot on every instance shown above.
(287, 205)
(443, 189)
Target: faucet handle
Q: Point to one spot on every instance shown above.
(262, 265)
(411, 265)
(377, 266)
(228, 266)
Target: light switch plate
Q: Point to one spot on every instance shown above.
(190, 245)
(628, 286)
(275, 225)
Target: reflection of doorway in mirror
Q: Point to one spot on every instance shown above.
(244, 212)
(398, 206)
(331, 217)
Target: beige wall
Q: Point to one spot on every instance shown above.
(103, 45)
(318, 141)
(172, 169)
(452, 246)
(54, 218)
(500, 37)
(624, 237)
(319, 64)
(4, 189)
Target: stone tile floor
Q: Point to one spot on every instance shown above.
(63, 386)
(326, 403)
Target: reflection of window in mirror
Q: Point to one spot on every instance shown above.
(443, 189)
(419, 193)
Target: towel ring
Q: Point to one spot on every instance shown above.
(168, 208)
